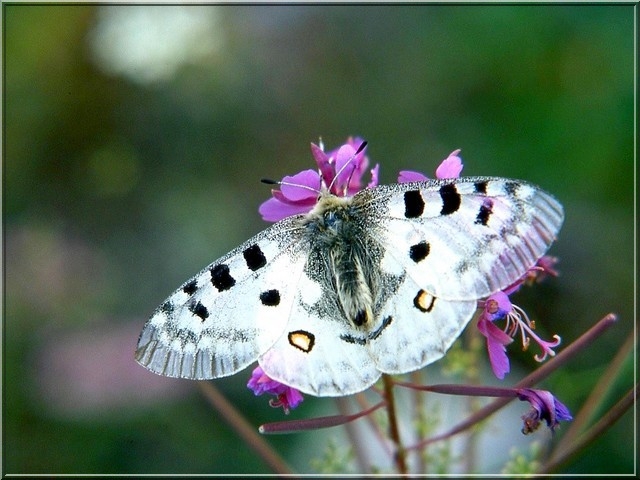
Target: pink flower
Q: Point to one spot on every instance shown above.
(496, 307)
(544, 407)
(286, 397)
(297, 194)
(406, 176)
(499, 307)
(450, 167)
(339, 172)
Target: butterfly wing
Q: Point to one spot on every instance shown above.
(466, 238)
(413, 327)
(436, 248)
(323, 354)
(222, 319)
(314, 357)
(447, 244)
(319, 353)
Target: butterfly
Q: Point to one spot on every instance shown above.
(383, 281)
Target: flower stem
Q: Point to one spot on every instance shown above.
(289, 426)
(607, 420)
(420, 418)
(354, 439)
(532, 379)
(399, 457)
(244, 429)
(597, 396)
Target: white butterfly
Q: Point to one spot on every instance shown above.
(380, 282)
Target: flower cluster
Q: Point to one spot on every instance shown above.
(340, 172)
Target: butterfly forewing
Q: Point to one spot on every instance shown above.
(463, 239)
(222, 319)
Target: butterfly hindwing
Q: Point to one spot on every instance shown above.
(317, 355)
(324, 354)
(223, 318)
(415, 328)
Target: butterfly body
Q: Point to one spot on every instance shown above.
(380, 282)
(336, 231)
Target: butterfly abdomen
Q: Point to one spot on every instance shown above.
(333, 230)
(352, 285)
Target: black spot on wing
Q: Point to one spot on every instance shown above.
(419, 251)
(270, 298)
(511, 188)
(167, 308)
(486, 209)
(190, 287)
(480, 187)
(450, 199)
(254, 257)
(221, 278)
(413, 204)
(199, 310)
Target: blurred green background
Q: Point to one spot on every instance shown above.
(134, 141)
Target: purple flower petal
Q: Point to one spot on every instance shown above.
(294, 397)
(259, 382)
(361, 163)
(406, 176)
(496, 341)
(544, 407)
(346, 167)
(498, 359)
(450, 166)
(374, 176)
(497, 306)
(562, 412)
(293, 187)
(491, 331)
(273, 210)
(324, 165)
(286, 397)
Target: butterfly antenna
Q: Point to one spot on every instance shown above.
(348, 163)
(268, 181)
